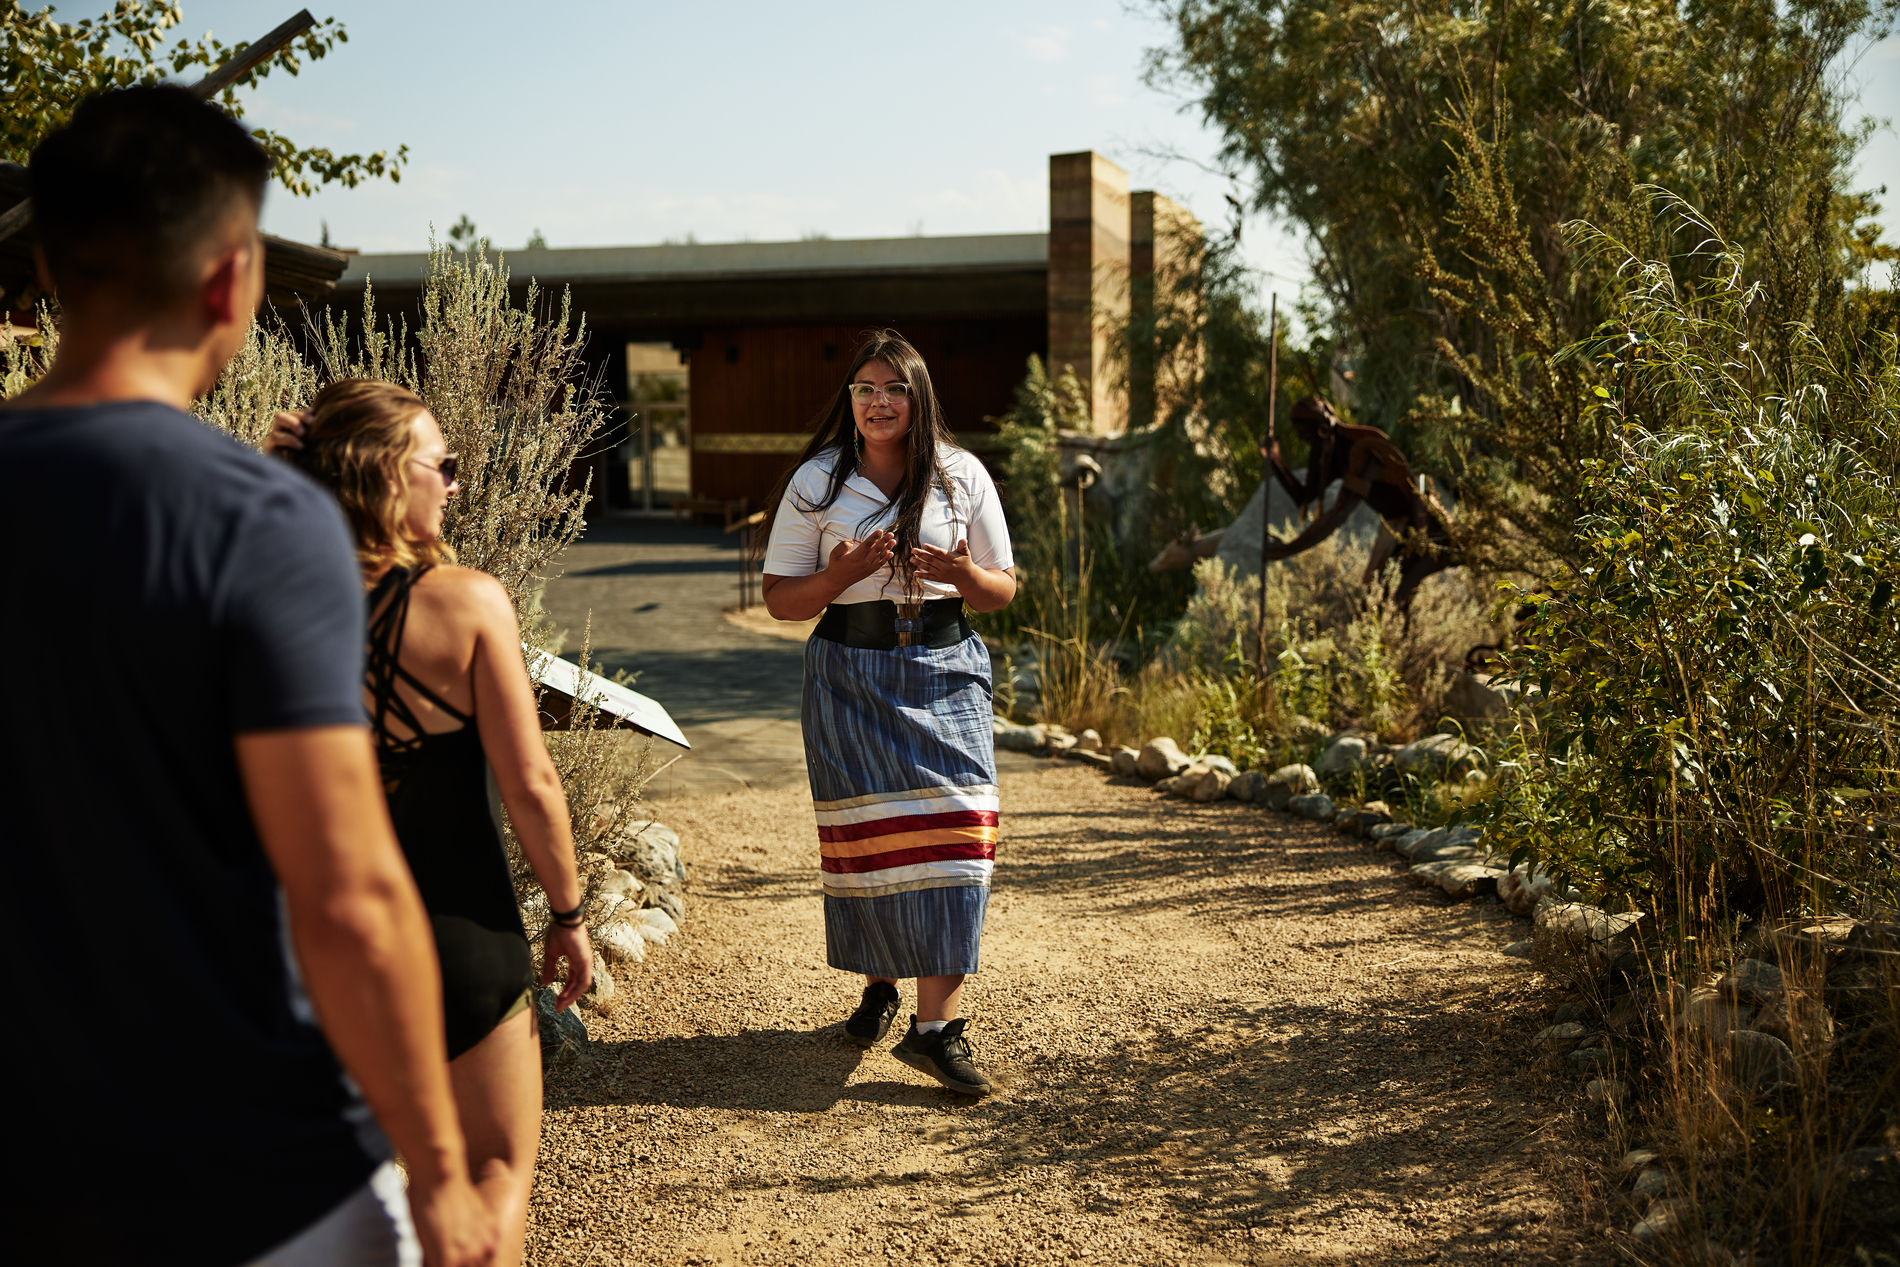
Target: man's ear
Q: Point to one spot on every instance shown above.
(225, 291)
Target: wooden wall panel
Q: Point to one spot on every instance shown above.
(774, 381)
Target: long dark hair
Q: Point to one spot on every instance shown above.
(836, 429)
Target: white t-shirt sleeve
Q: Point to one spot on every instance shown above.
(792, 549)
(988, 533)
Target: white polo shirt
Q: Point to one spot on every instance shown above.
(802, 541)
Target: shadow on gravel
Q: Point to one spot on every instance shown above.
(774, 1071)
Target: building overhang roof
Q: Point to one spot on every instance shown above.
(680, 285)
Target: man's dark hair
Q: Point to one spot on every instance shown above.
(133, 191)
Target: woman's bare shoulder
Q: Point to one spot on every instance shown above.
(468, 592)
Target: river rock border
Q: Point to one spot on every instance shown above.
(639, 901)
(1753, 1018)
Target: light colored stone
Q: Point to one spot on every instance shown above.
(1251, 785)
(652, 831)
(1342, 756)
(622, 883)
(1468, 879)
(1438, 756)
(1529, 885)
(620, 942)
(1212, 785)
(1637, 1158)
(1288, 782)
(1447, 850)
(603, 987)
(1361, 821)
(1169, 784)
(651, 935)
(1574, 940)
(1521, 949)
(659, 919)
(1100, 760)
(1406, 845)
(1215, 761)
(1161, 758)
(1089, 740)
(1013, 738)
(1315, 805)
(1122, 762)
(670, 901)
(1386, 832)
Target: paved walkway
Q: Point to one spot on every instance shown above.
(656, 591)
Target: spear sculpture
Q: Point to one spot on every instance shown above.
(1273, 397)
(247, 60)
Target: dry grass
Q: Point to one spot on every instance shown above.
(1338, 654)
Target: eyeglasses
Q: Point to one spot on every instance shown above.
(896, 393)
(445, 468)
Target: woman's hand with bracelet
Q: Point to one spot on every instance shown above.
(567, 939)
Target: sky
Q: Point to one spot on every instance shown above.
(610, 124)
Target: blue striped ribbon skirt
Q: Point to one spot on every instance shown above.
(902, 758)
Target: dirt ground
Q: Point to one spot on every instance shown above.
(1223, 1036)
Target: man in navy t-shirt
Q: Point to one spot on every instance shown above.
(195, 839)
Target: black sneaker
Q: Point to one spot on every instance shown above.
(945, 1056)
(872, 1020)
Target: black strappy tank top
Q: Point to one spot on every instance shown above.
(437, 784)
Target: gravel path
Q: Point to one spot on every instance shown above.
(1224, 1036)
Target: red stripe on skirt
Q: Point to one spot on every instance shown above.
(909, 857)
(909, 822)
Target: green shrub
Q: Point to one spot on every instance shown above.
(1721, 667)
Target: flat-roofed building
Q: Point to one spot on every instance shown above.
(720, 356)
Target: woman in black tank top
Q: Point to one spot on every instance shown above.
(449, 702)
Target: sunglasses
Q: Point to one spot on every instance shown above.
(896, 393)
(445, 468)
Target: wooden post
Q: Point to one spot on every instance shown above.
(1266, 490)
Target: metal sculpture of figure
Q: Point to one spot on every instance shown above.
(1370, 469)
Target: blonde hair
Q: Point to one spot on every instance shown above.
(358, 444)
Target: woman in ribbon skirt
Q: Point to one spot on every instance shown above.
(885, 530)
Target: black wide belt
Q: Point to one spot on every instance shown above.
(880, 626)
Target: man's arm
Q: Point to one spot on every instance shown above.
(1296, 489)
(368, 961)
(1319, 529)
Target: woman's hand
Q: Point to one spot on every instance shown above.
(574, 946)
(985, 590)
(852, 561)
(955, 569)
(286, 431)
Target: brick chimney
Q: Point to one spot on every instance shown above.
(1163, 238)
(1088, 276)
